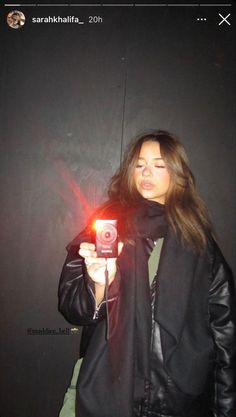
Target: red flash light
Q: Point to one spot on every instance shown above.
(98, 224)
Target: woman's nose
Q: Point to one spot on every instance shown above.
(147, 172)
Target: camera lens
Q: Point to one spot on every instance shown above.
(107, 234)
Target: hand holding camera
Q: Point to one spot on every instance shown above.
(102, 255)
(96, 266)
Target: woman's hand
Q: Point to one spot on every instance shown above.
(96, 266)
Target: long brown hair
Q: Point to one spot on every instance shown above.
(185, 210)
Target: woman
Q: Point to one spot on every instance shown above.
(170, 346)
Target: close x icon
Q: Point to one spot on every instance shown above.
(224, 19)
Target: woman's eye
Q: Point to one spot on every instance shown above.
(155, 166)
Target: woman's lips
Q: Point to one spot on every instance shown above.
(145, 185)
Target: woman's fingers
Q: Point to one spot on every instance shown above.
(88, 260)
(86, 245)
(120, 247)
(87, 250)
(96, 266)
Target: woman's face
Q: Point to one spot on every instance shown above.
(151, 176)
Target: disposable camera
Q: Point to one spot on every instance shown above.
(106, 238)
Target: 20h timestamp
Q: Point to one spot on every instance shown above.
(95, 19)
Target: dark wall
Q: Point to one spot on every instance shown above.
(72, 96)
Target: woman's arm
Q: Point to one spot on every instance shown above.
(81, 300)
(222, 304)
(76, 300)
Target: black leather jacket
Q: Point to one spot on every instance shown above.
(218, 399)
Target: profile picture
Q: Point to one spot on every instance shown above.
(16, 19)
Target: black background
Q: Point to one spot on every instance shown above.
(72, 97)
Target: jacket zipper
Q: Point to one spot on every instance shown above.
(96, 306)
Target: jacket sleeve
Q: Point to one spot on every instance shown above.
(76, 291)
(222, 306)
